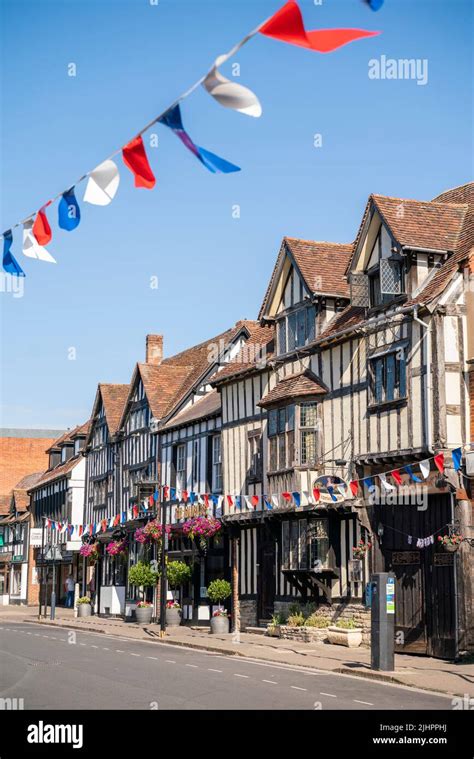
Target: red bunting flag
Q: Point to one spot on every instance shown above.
(104, 525)
(287, 25)
(439, 461)
(316, 494)
(80, 530)
(254, 500)
(151, 500)
(206, 498)
(354, 486)
(287, 496)
(184, 495)
(116, 520)
(134, 157)
(230, 500)
(166, 491)
(41, 228)
(397, 476)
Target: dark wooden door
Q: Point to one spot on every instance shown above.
(424, 589)
(267, 572)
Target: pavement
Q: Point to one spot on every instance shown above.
(55, 668)
(421, 672)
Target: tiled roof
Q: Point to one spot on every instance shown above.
(294, 386)
(5, 501)
(58, 471)
(114, 398)
(161, 384)
(347, 319)
(69, 435)
(209, 405)
(322, 266)
(422, 224)
(256, 352)
(27, 482)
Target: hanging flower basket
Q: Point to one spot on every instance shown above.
(117, 547)
(450, 543)
(152, 532)
(90, 551)
(200, 529)
(361, 549)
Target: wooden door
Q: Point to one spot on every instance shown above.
(424, 589)
(267, 572)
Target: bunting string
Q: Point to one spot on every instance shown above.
(286, 25)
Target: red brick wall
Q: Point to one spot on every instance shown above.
(20, 456)
(471, 402)
(33, 589)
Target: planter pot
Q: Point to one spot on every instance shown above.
(173, 617)
(273, 631)
(84, 610)
(219, 625)
(450, 548)
(143, 615)
(352, 638)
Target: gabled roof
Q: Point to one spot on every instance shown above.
(114, 397)
(322, 266)
(68, 437)
(168, 384)
(253, 356)
(297, 385)
(208, 405)
(58, 471)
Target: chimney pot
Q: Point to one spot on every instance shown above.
(154, 349)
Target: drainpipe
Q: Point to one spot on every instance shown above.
(429, 377)
(456, 603)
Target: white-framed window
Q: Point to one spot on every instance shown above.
(216, 463)
(181, 467)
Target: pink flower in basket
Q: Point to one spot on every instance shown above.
(116, 547)
(201, 527)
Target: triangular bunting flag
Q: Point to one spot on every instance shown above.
(297, 498)
(409, 471)
(316, 494)
(231, 94)
(41, 228)
(134, 157)
(230, 501)
(102, 184)
(424, 468)
(287, 26)
(439, 461)
(457, 457)
(385, 484)
(31, 247)
(330, 490)
(396, 476)
(69, 214)
(10, 264)
(354, 486)
(254, 500)
(172, 119)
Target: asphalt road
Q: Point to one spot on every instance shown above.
(52, 668)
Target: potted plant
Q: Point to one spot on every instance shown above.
(84, 606)
(218, 591)
(452, 542)
(143, 576)
(345, 633)
(361, 549)
(173, 613)
(273, 629)
(117, 547)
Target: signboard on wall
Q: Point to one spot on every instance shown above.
(36, 537)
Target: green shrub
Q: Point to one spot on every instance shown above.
(219, 590)
(294, 608)
(83, 600)
(295, 620)
(316, 620)
(278, 619)
(347, 624)
(142, 575)
(178, 573)
(309, 609)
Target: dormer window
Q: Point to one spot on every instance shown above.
(386, 281)
(296, 328)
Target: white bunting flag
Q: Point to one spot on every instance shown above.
(231, 94)
(102, 184)
(424, 468)
(307, 497)
(247, 502)
(385, 484)
(31, 247)
(275, 500)
(220, 501)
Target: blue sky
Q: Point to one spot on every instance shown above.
(132, 60)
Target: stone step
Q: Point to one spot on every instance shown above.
(256, 630)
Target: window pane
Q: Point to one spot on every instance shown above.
(390, 374)
(285, 545)
(273, 454)
(272, 422)
(291, 337)
(290, 413)
(294, 544)
(310, 323)
(378, 379)
(281, 420)
(281, 451)
(308, 415)
(282, 336)
(308, 447)
(301, 327)
(303, 543)
(401, 371)
(291, 448)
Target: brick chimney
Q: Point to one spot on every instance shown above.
(154, 349)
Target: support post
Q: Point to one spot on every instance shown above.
(163, 584)
(235, 586)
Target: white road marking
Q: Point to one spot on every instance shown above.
(194, 666)
(92, 646)
(83, 644)
(105, 649)
(170, 661)
(131, 654)
(363, 702)
(151, 657)
(53, 637)
(327, 694)
(295, 687)
(237, 675)
(214, 670)
(118, 651)
(272, 682)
